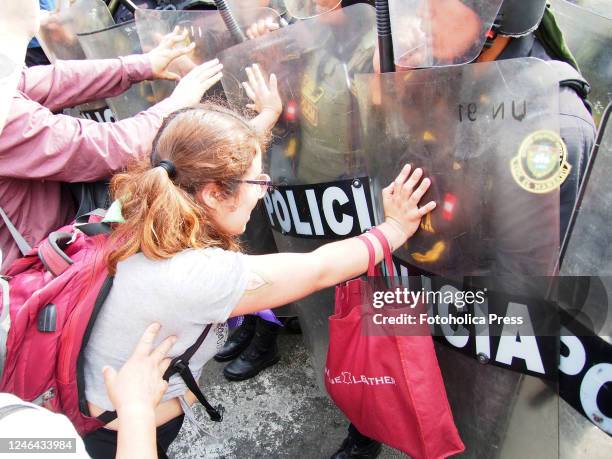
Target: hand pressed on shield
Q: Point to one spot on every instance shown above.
(265, 96)
(168, 50)
(139, 383)
(192, 86)
(262, 27)
(401, 201)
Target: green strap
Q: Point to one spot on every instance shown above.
(551, 37)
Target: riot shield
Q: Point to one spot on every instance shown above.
(206, 28)
(119, 40)
(58, 38)
(435, 118)
(586, 288)
(488, 136)
(315, 141)
(588, 36)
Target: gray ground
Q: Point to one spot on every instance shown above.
(280, 413)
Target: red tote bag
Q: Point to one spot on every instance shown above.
(389, 387)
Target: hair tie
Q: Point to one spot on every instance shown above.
(168, 166)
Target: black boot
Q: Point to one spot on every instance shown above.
(357, 446)
(260, 354)
(238, 342)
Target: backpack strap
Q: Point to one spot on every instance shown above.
(22, 244)
(180, 365)
(51, 250)
(52, 255)
(10, 409)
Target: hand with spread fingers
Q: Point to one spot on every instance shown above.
(265, 95)
(401, 201)
(191, 88)
(262, 27)
(265, 99)
(139, 383)
(170, 49)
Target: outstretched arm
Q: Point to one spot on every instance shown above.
(70, 83)
(36, 144)
(279, 279)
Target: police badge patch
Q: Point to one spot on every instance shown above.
(541, 163)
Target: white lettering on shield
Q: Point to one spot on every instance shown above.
(282, 209)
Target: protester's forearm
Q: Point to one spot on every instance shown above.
(282, 278)
(69, 83)
(137, 433)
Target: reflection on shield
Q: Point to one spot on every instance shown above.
(58, 38)
(435, 33)
(119, 40)
(585, 292)
(205, 28)
(588, 36)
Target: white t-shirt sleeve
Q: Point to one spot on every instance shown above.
(210, 283)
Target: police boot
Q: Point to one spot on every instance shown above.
(357, 446)
(238, 342)
(260, 354)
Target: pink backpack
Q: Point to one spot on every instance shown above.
(56, 291)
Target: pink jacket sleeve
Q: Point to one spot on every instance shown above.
(69, 83)
(36, 144)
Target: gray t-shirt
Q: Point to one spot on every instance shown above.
(183, 294)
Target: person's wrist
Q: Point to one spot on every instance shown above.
(394, 233)
(271, 112)
(135, 408)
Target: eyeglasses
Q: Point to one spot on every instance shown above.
(263, 181)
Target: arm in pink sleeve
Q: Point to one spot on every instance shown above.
(69, 83)
(38, 145)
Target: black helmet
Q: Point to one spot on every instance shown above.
(520, 17)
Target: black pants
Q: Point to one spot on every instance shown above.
(102, 443)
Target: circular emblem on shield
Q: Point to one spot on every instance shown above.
(541, 163)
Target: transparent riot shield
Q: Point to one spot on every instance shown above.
(488, 137)
(316, 152)
(119, 40)
(433, 33)
(601, 7)
(58, 38)
(588, 36)
(586, 288)
(206, 28)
